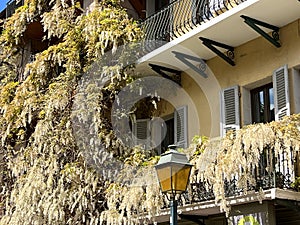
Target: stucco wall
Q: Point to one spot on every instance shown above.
(194, 99)
(258, 58)
(199, 118)
(255, 62)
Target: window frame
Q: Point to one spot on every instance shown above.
(281, 89)
(254, 93)
(179, 115)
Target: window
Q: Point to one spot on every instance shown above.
(296, 88)
(268, 102)
(158, 134)
(167, 135)
(262, 104)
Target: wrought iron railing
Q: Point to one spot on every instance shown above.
(181, 16)
(273, 171)
(12, 5)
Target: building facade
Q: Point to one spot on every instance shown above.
(229, 63)
(238, 64)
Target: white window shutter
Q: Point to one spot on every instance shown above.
(180, 127)
(230, 109)
(141, 133)
(281, 92)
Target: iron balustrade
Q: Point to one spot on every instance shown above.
(181, 16)
(273, 171)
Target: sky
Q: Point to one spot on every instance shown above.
(2, 4)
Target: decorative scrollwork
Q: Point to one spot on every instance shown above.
(230, 54)
(275, 35)
(202, 66)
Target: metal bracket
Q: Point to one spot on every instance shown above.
(228, 57)
(274, 39)
(186, 59)
(161, 71)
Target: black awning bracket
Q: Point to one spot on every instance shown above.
(211, 44)
(186, 59)
(161, 70)
(254, 24)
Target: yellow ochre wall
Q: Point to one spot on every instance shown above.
(199, 122)
(255, 62)
(198, 117)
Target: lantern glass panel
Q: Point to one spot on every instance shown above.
(180, 177)
(164, 177)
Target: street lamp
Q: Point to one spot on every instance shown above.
(173, 171)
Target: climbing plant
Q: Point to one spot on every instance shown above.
(44, 176)
(239, 154)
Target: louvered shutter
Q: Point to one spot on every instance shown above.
(230, 109)
(180, 127)
(141, 133)
(281, 92)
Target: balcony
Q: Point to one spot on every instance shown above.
(273, 177)
(178, 28)
(12, 5)
(181, 16)
(274, 171)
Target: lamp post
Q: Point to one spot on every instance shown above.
(173, 171)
